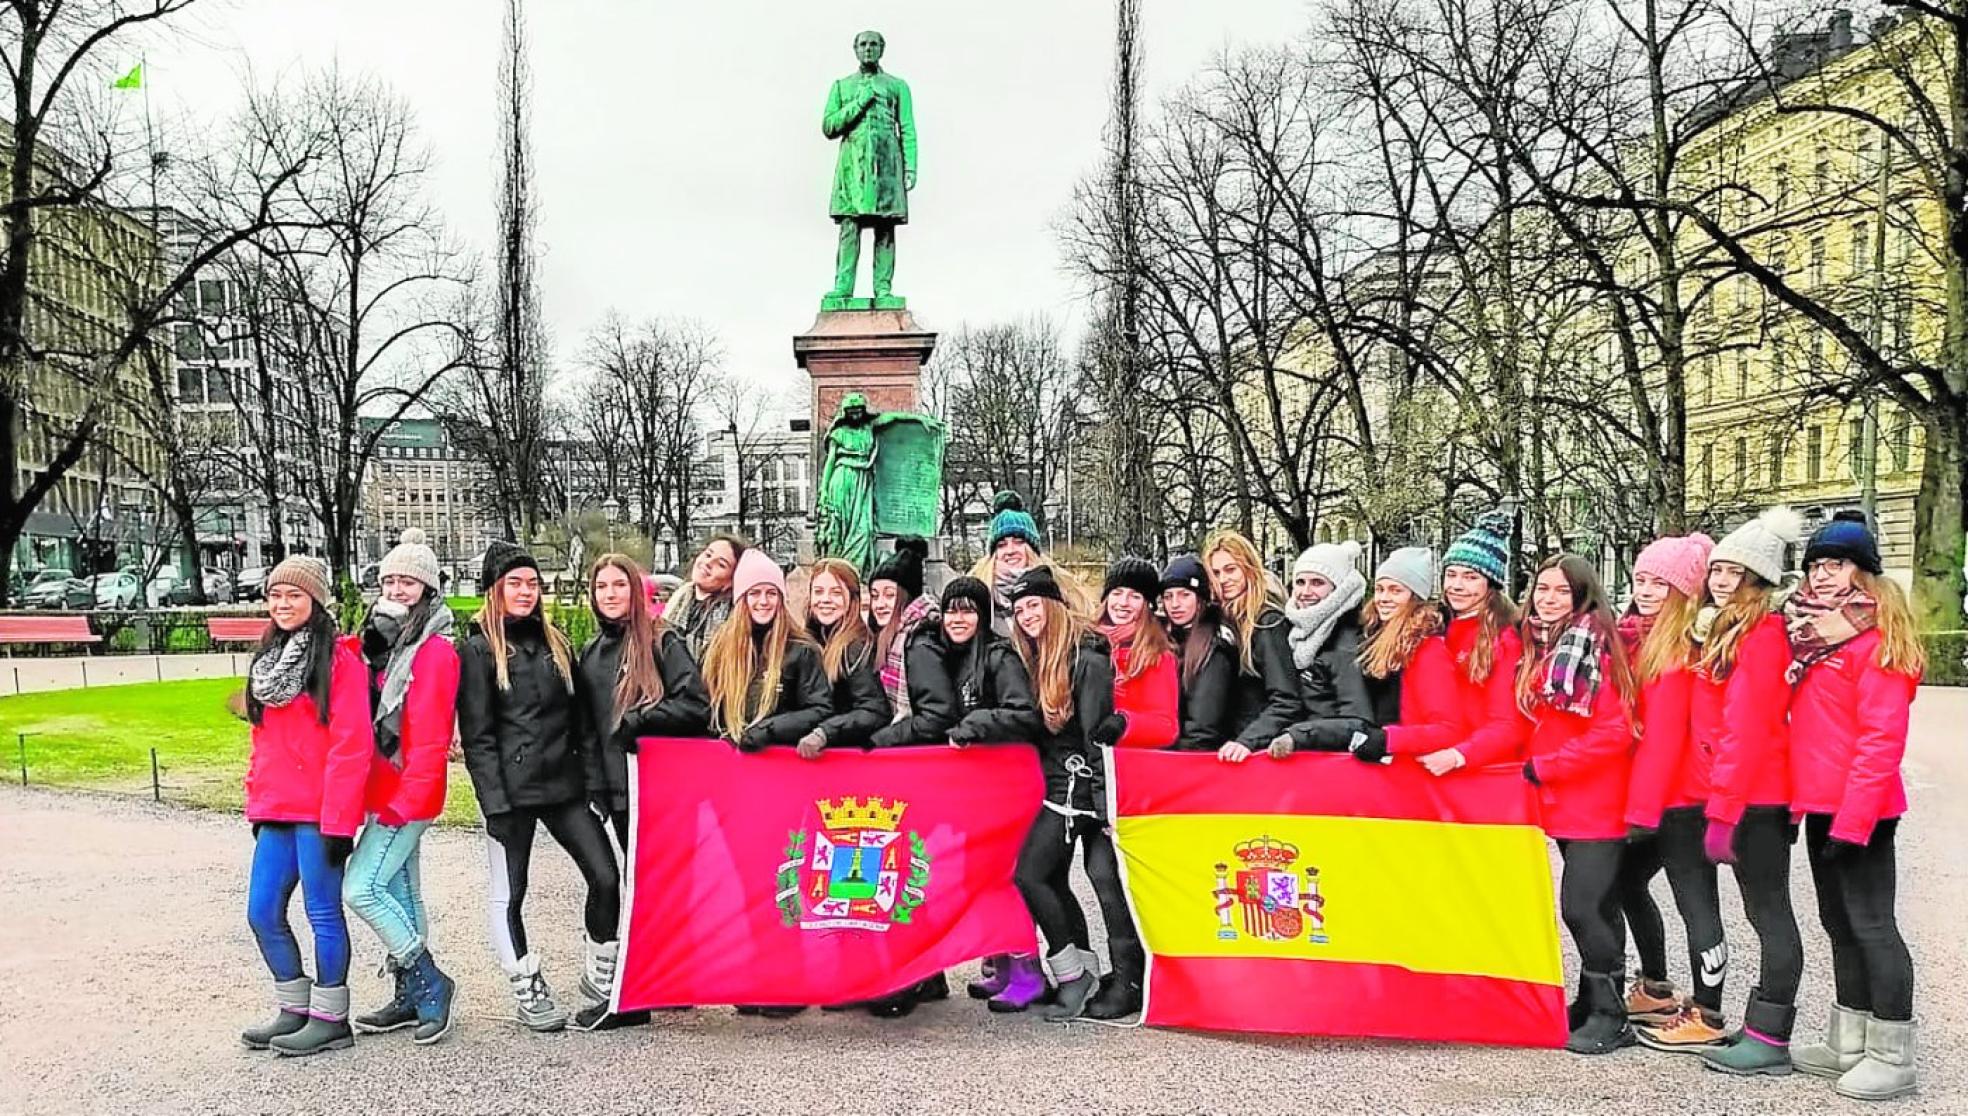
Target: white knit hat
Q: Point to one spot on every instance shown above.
(412, 557)
(1758, 546)
(1412, 566)
(1336, 562)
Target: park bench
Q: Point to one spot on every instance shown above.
(236, 629)
(46, 630)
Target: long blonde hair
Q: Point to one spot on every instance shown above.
(741, 678)
(1670, 643)
(1079, 598)
(1734, 619)
(1386, 646)
(1899, 640)
(1049, 661)
(1244, 613)
(491, 620)
(851, 632)
(1145, 648)
(638, 682)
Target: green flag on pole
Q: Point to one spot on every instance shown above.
(131, 80)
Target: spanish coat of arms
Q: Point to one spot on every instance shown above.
(1276, 902)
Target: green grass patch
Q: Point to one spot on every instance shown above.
(100, 739)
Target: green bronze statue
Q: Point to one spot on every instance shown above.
(869, 112)
(882, 475)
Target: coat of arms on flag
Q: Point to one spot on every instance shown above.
(864, 872)
(1275, 906)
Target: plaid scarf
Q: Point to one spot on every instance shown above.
(895, 668)
(1819, 626)
(1571, 657)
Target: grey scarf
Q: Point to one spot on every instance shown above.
(1312, 625)
(397, 676)
(278, 677)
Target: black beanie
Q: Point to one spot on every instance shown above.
(968, 589)
(502, 558)
(1133, 573)
(1846, 536)
(905, 566)
(1036, 582)
(1185, 571)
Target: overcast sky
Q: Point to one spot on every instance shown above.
(681, 167)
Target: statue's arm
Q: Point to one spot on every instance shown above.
(841, 112)
(905, 118)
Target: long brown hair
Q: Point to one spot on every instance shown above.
(1669, 644)
(491, 620)
(851, 632)
(1899, 640)
(1734, 619)
(1200, 642)
(1145, 647)
(1049, 661)
(638, 682)
(1244, 613)
(742, 678)
(1499, 616)
(1386, 646)
(1590, 606)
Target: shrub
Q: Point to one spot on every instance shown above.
(1947, 658)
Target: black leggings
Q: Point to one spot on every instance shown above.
(1763, 840)
(1588, 900)
(1677, 847)
(1869, 961)
(618, 820)
(575, 828)
(1044, 878)
(1103, 868)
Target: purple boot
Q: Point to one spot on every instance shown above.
(1025, 984)
(997, 974)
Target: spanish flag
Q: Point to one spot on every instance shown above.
(1321, 895)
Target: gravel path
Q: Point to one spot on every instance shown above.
(128, 970)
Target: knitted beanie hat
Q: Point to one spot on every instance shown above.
(1036, 582)
(905, 566)
(502, 558)
(1758, 546)
(1846, 536)
(1679, 560)
(1485, 547)
(970, 590)
(412, 557)
(755, 569)
(308, 574)
(1012, 521)
(1185, 571)
(1412, 566)
(1336, 562)
(1133, 573)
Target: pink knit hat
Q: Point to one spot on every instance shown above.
(755, 569)
(1679, 560)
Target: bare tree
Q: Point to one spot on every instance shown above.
(659, 375)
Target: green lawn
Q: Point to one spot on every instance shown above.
(100, 739)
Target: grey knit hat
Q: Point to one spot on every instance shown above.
(1412, 566)
(1758, 546)
(308, 574)
(413, 557)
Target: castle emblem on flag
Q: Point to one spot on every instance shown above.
(863, 871)
(1269, 900)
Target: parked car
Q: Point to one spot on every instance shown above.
(118, 590)
(251, 583)
(58, 588)
(370, 576)
(218, 586)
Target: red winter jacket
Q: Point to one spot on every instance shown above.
(1848, 732)
(304, 771)
(1447, 710)
(415, 792)
(1741, 722)
(1669, 768)
(1151, 703)
(1583, 764)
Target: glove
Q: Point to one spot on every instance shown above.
(1368, 744)
(1638, 833)
(751, 740)
(812, 744)
(1531, 773)
(1329, 734)
(963, 733)
(339, 849)
(1835, 849)
(1110, 729)
(1281, 746)
(1719, 843)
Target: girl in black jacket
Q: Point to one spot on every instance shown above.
(1072, 676)
(764, 678)
(1327, 591)
(516, 714)
(1209, 658)
(908, 652)
(1266, 700)
(856, 706)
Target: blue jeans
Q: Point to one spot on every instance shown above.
(384, 889)
(289, 854)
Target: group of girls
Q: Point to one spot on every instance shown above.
(1698, 728)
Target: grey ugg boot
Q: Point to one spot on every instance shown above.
(327, 1025)
(1843, 1045)
(290, 1014)
(1886, 1071)
(532, 1000)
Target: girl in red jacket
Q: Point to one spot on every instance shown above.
(309, 705)
(1856, 662)
(1577, 687)
(413, 673)
(1739, 714)
(1664, 803)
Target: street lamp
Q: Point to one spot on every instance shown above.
(1512, 506)
(610, 508)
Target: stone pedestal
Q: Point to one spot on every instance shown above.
(879, 353)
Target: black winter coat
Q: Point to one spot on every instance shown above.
(932, 699)
(856, 705)
(1093, 700)
(1208, 699)
(1267, 701)
(520, 746)
(994, 695)
(804, 700)
(684, 711)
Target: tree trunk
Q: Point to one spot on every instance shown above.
(1940, 511)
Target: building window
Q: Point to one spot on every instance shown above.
(1814, 453)
(1779, 363)
(1776, 459)
(1821, 171)
(1742, 375)
(1817, 356)
(1708, 471)
(1741, 478)
(1861, 249)
(1817, 261)
(1902, 442)
(1855, 455)
(1782, 175)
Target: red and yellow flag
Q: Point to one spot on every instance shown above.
(1321, 895)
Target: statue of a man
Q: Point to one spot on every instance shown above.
(868, 111)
